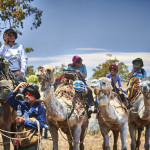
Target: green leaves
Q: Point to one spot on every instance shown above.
(14, 12)
(103, 69)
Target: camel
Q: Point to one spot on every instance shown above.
(112, 114)
(65, 108)
(7, 115)
(139, 115)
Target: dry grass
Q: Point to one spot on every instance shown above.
(92, 142)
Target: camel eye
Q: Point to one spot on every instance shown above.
(103, 83)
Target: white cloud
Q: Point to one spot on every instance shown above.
(90, 49)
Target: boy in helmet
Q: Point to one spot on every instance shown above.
(15, 54)
(115, 78)
(30, 108)
(137, 70)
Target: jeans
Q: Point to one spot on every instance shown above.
(90, 97)
(20, 78)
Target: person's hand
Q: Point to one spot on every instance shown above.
(19, 72)
(5, 39)
(134, 69)
(20, 119)
(120, 89)
(77, 71)
(21, 85)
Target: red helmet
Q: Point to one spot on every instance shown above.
(113, 67)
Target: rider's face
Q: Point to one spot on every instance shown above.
(113, 71)
(29, 97)
(78, 64)
(11, 37)
(137, 65)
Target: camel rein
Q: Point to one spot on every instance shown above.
(70, 133)
(16, 133)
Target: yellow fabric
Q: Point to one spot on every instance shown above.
(134, 82)
(30, 139)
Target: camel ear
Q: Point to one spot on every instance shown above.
(53, 69)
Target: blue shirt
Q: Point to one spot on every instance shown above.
(117, 79)
(39, 112)
(82, 69)
(141, 73)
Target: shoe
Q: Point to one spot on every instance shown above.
(92, 103)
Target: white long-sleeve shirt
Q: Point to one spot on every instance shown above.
(16, 56)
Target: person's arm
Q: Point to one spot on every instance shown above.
(84, 72)
(3, 47)
(41, 118)
(145, 74)
(119, 83)
(131, 73)
(2, 50)
(23, 60)
(83, 75)
(12, 101)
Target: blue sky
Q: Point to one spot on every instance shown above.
(91, 29)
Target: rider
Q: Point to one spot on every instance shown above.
(80, 69)
(30, 108)
(114, 79)
(137, 73)
(15, 54)
(137, 70)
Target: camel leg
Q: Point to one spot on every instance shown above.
(147, 135)
(70, 141)
(6, 142)
(138, 142)
(132, 130)
(83, 136)
(123, 133)
(116, 135)
(105, 135)
(76, 136)
(54, 133)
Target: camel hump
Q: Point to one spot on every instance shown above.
(67, 94)
(119, 107)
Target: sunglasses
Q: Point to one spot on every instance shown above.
(29, 94)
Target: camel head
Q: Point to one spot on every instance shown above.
(145, 87)
(45, 73)
(101, 87)
(103, 84)
(5, 87)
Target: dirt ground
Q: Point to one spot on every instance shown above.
(91, 142)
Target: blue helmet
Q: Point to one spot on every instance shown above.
(79, 86)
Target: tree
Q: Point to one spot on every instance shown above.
(14, 12)
(59, 70)
(103, 69)
(29, 71)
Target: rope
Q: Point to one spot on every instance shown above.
(18, 138)
(70, 133)
(39, 136)
(14, 132)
